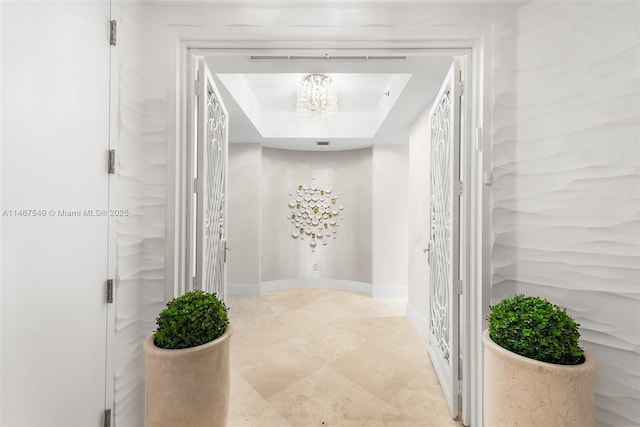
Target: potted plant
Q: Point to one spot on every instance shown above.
(187, 363)
(535, 372)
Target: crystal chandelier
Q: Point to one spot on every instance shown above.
(317, 96)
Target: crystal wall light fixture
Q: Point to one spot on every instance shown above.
(317, 96)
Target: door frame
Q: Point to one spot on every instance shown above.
(184, 281)
(185, 41)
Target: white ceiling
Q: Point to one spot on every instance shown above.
(378, 99)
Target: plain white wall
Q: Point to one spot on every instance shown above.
(245, 214)
(371, 244)
(390, 210)
(575, 182)
(419, 196)
(346, 258)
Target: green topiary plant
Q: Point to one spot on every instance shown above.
(192, 319)
(535, 328)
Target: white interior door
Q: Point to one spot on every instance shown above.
(444, 237)
(55, 138)
(211, 186)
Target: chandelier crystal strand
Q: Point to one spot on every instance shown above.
(317, 96)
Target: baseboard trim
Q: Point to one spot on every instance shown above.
(335, 285)
(329, 284)
(390, 292)
(419, 321)
(382, 292)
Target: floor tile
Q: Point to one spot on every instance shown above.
(329, 341)
(277, 367)
(388, 416)
(271, 332)
(246, 311)
(308, 357)
(248, 409)
(421, 401)
(325, 398)
(376, 370)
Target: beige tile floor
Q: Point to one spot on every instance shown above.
(329, 358)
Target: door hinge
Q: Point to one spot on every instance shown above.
(112, 33)
(107, 418)
(461, 89)
(459, 287)
(109, 291)
(195, 185)
(195, 86)
(460, 188)
(111, 167)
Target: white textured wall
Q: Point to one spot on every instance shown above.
(390, 215)
(245, 214)
(571, 183)
(419, 196)
(502, 165)
(346, 258)
(139, 115)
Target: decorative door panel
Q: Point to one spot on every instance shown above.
(211, 186)
(444, 237)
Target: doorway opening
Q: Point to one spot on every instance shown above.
(470, 244)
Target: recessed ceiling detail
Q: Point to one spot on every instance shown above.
(381, 95)
(269, 101)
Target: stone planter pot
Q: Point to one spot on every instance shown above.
(187, 387)
(519, 391)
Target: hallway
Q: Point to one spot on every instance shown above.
(319, 357)
(98, 196)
